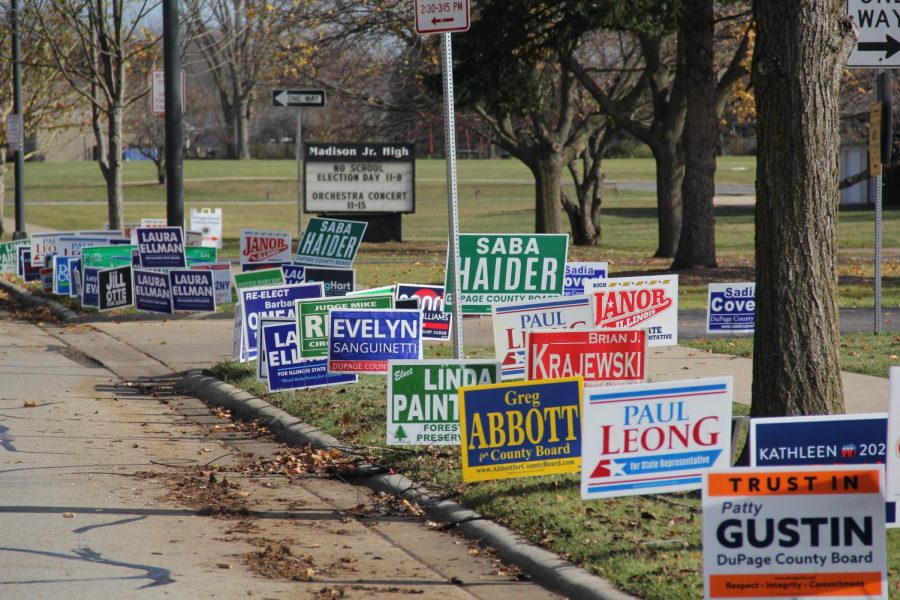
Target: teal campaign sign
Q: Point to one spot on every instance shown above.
(107, 257)
(312, 316)
(9, 256)
(330, 243)
(497, 268)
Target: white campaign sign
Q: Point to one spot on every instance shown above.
(649, 303)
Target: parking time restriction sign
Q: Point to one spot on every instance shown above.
(441, 16)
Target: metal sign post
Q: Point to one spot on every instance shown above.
(886, 99)
(299, 151)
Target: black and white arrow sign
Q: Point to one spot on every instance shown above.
(889, 46)
(298, 98)
(877, 24)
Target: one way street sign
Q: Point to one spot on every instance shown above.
(298, 97)
(876, 22)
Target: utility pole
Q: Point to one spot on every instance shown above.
(19, 169)
(172, 87)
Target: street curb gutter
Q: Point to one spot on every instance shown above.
(544, 567)
(60, 311)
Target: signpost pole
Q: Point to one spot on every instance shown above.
(452, 197)
(885, 96)
(19, 168)
(299, 152)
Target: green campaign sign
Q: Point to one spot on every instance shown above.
(8, 255)
(107, 257)
(260, 278)
(330, 243)
(423, 406)
(496, 268)
(195, 255)
(312, 316)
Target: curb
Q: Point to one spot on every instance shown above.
(544, 567)
(59, 311)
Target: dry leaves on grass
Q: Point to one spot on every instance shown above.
(293, 461)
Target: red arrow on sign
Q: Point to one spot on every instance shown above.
(435, 20)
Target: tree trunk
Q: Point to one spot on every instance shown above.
(242, 133)
(547, 194)
(697, 243)
(669, 174)
(801, 49)
(113, 172)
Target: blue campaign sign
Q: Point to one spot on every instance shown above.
(859, 439)
(520, 429)
(435, 322)
(293, 273)
(363, 341)
(579, 272)
(161, 247)
(62, 273)
(337, 282)
(193, 291)
(28, 272)
(152, 291)
(285, 370)
(731, 308)
(75, 277)
(270, 301)
(90, 294)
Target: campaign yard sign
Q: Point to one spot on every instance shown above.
(221, 280)
(436, 324)
(893, 440)
(74, 277)
(9, 255)
(261, 278)
(520, 429)
(513, 320)
(337, 282)
(71, 245)
(108, 257)
(363, 341)
(312, 320)
(42, 244)
(161, 247)
(375, 291)
(598, 356)
(330, 242)
(152, 291)
(638, 302)
(62, 274)
(497, 268)
(115, 288)
(47, 280)
(731, 308)
(193, 290)
(90, 293)
(795, 532)
(652, 438)
(293, 273)
(285, 370)
(200, 255)
(265, 246)
(261, 371)
(423, 405)
(577, 273)
(857, 439)
(269, 301)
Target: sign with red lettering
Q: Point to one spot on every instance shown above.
(265, 246)
(649, 438)
(441, 16)
(795, 532)
(638, 302)
(610, 355)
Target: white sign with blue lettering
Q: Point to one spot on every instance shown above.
(512, 321)
(731, 308)
(285, 370)
(152, 291)
(270, 301)
(577, 273)
(363, 341)
(650, 438)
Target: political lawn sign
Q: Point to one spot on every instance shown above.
(893, 441)
(436, 324)
(90, 289)
(71, 245)
(152, 291)
(598, 356)
(47, 280)
(513, 320)
(285, 370)
(312, 320)
(269, 301)
(262, 372)
(367, 178)
(422, 404)
(520, 429)
(193, 291)
(363, 341)
(42, 244)
(337, 282)
(115, 288)
(107, 257)
(261, 278)
(497, 268)
(731, 308)
(74, 277)
(265, 246)
(161, 247)
(638, 302)
(819, 440)
(654, 438)
(375, 291)
(293, 273)
(62, 274)
(795, 532)
(330, 243)
(577, 273)
(9, 255)
(200, 255)
(221, 280)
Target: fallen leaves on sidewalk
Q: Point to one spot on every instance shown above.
(276, 561)
(203, 491)
(293, 461)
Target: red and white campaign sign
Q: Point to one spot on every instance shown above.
(649, 303)
(615, 355)
(441, 16)
(265, 246)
